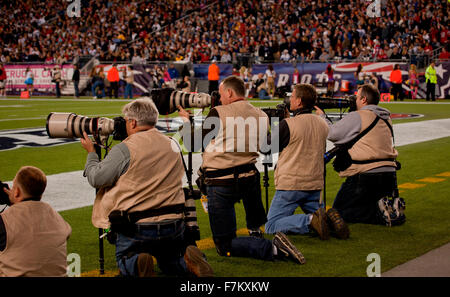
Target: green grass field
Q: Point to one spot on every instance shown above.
(427, 205)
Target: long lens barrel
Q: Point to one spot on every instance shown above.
(167, 100)
(327, 103)
(70, 125)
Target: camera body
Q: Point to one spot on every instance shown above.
(4, 199)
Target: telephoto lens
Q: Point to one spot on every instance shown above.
(167, 100)
(70, 125)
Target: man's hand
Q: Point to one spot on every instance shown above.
(184, 114)
(319, 111)
(87, 143)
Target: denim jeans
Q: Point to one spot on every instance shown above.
(128, 91)
(222, 219)
(281, 217)
(163, 240)
(76, 88)
(357, 198)
(102, 87)
(263, 95)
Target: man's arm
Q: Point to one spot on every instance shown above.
(210, 123)
(282, 135)
(108, 171)
(346, 129)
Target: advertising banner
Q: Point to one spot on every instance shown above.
(151, 76)
(42, 82)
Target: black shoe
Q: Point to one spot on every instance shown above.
(385, 211)
(196, 262)
(398, 209)
(284, 245)
(337, 224)
(398, 206)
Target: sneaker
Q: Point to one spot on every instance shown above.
(145, 265)
(337, 224)
(319, 224)
(284, 245)
(196, 262)
(398, 206)
(255, 233)
(385, 211)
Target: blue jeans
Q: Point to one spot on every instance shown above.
(263, 95)
(102, 87)
(163, 240)
(128, 91)
(222, 219)
(77, 90)
(281, 217)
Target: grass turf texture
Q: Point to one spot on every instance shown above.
(427, 207)
(426, 228)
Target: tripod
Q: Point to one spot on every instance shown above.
(101, 257)
(267, 162)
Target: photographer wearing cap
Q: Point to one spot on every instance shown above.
(141, 198)
(231, 175)
(299, 174)
(33, 236)
(370, 168)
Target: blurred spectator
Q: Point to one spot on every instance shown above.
(261, 87)
(56, 78)
(29, 80)
(129, 79)
(413, 81)
(444, 55)
(202, 30)
(396, 79)
(3, 79)
(113, 78)
(173, 72)
(374, 79)
(184, 85)
(76, 80)
(270, 78)
(213, 77)
(295, 77)
(431, 80)
(97, 81)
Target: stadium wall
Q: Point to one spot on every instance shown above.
(313, 73)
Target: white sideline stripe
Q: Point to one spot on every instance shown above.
(71, 190)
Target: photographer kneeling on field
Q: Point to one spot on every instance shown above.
(141, 197)
(370, 165)
(299, 174)
(33, 236)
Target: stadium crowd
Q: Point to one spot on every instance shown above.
(199, 31)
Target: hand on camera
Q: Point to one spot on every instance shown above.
(87, 143)
(319, 111)
(184, 114)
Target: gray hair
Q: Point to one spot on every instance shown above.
(143, 110)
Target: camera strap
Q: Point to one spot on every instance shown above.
(350, 144)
